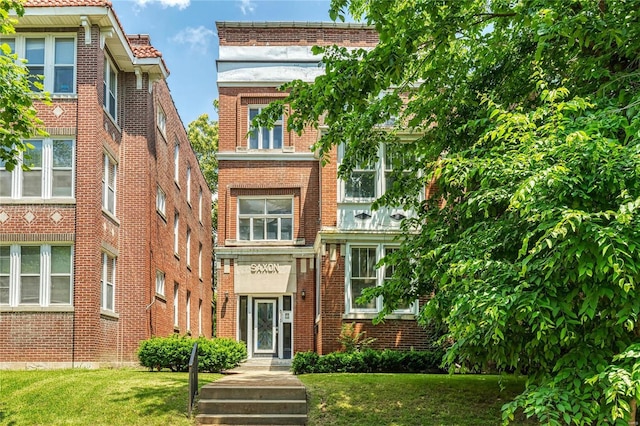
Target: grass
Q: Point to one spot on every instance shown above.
(95, 397)
(409, 399)
(136, 397)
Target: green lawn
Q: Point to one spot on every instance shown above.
(409, 399)
(136, 397)
(95, 397)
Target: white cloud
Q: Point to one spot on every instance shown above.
(180, 4)
(247, 6)
(196, 38)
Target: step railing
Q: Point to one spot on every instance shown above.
(193, 377)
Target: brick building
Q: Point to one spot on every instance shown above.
(107, 239)
(296, 245)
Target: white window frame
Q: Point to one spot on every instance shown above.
(200, 317)
(160, 282)
(380, 250)
(46, 167)
(189, 185)
(188, 311)
(380, 171)
(265, 216)
(200, 260)
(110, 79)
(161, 202)
(49, 65)
(200, 205)
(108, 260)
(46, 276)
(109, 169)
(176, 306)
(176, 163)
(176, 233)
(188, 248)
(161, 121)
(261, 144)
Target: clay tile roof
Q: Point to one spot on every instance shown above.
(141, 46)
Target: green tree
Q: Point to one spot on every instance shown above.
(203, 135)
(18, 116)
(526, 130)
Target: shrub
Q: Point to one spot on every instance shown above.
(353, 341)
(174, 352)
(369, 361)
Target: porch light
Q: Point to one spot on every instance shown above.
(226, 296)
(303, 293)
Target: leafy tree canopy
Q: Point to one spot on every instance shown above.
(526, 130)
(18, 116)
(203, 135)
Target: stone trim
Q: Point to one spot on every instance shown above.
(21, 238)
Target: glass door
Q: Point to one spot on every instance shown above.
(264, 326)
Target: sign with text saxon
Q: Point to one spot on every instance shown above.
(265, 268)
(268, 274)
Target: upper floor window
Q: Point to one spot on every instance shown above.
(160, 282)
(162, 120)
(108, 280)
(189, 185)
(161, 201)
(50, 174)
(262, 137)
(200, 260)
(53, 57)
(176, 230)
(265, 219)
(176, 162)
(109, 172)
(188, 247)
(35, 275)
(369, 181)
(200, 205)
(110, 88)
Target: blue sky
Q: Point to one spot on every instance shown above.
(185, 32)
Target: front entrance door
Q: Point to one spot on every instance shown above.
(264, 326)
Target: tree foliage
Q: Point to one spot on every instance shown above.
(526, 130)
(18, 115)
(203, 135)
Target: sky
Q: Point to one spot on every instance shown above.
(185, 32)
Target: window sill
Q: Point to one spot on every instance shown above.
(176, 329)
(56, 201)
(189, 268)
(36, 308)
(176, 255)
(297, 242)
(112, 119)
(161, 297)
(109, 314)
(162, 215)
(110, 216)
(64, 96)
(372, 315)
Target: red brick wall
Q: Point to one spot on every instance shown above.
(141, 239)
(296, 35)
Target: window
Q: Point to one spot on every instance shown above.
(200, 260)
(189, 185)
(53, 57)
(263, 138)
(176, 163)
(161, 202)
(363, 185)
(35, 275)
(188, 311)
(265, 219)
(176, 230)
(110, 92)
(160, 282)
(176, 318)
(50, 174)
(109, 172)
(188, 249)
(162, 120)
(199, 317)
(108, 282)
(200, 205)
(362, 273)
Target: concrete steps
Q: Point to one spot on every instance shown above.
(253, 399)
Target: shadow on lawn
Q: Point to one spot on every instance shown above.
(167, 396)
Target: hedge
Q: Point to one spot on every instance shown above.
(369, 361)
(173, 353)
